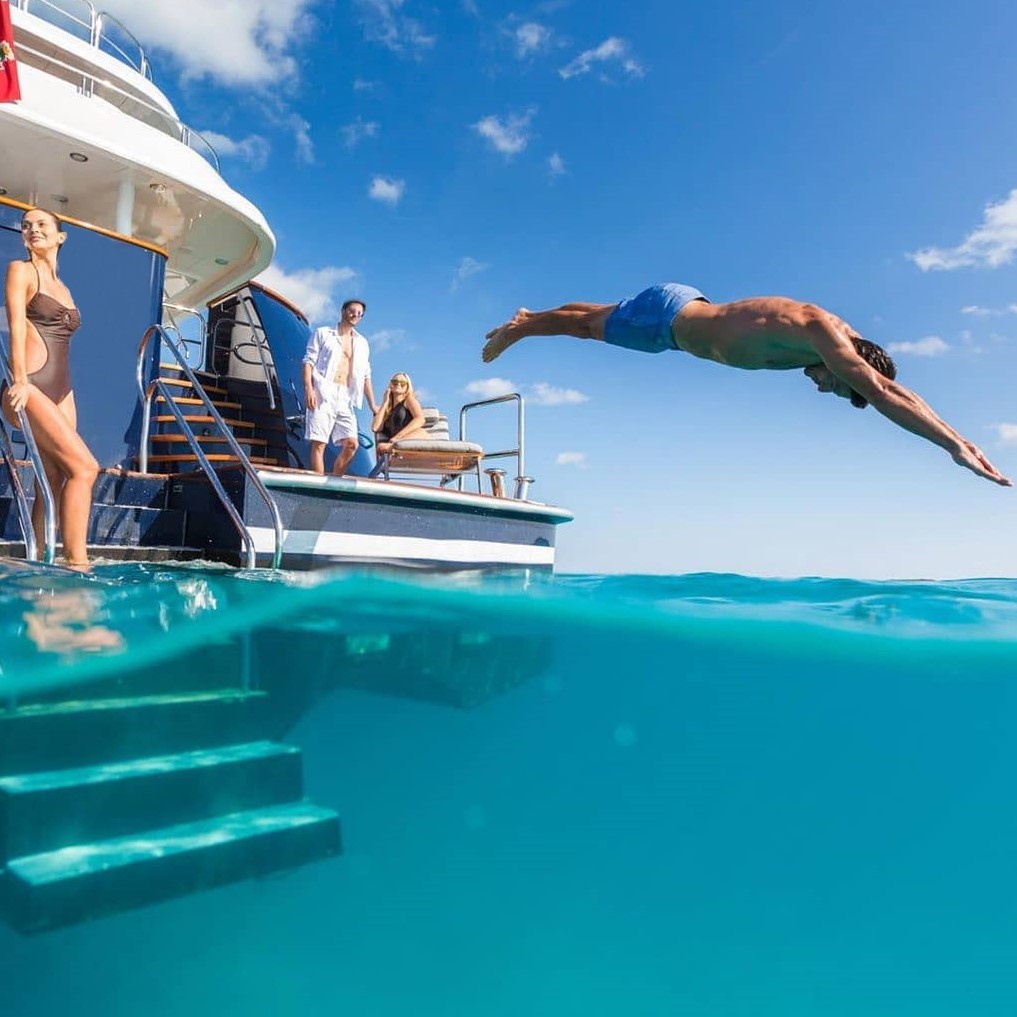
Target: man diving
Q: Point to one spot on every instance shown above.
(771, 333)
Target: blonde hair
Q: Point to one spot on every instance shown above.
(388, 402)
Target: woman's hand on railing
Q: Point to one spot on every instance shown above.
(17, 396)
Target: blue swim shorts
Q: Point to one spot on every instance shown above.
(644, 322)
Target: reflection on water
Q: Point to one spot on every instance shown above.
(68, 622)
(138, 629)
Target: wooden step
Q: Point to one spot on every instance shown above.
(170, 419)
(184, 383)
(188, 401)
(212, 457)
(207, 439)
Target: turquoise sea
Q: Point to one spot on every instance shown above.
(594, 795)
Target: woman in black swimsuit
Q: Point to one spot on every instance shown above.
(42, 317)
(399, 417)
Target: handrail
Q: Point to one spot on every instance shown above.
(219, 322)
(181, 338)
(248, 305)
(93, 28)
(174, 327)
(143, 67)
(522, 481)
(169, 125)
(20, 498)
(257, 343)
(41, 481)
(156, 385)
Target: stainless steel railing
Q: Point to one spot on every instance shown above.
(129, 103)
(157, 386)
(42, 484)
(80, 18)
(258, 335)
(522, 488)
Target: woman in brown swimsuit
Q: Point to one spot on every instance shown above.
(42, 317)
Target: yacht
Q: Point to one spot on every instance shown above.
(187, 371)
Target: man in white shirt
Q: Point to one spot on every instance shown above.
(337, 374)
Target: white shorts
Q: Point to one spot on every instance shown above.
(334, 419)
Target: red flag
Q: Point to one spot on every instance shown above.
(10, 90)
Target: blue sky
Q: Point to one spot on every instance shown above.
(451, 162)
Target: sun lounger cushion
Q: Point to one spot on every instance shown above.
(436, 453)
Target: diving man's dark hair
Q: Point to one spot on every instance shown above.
(878, 359)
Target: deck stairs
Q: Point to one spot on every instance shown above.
(110, 801)
(133, 515)
(259, 429)
(145, 515)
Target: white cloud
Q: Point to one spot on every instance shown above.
(1007, 433)
(556, 165)
(384, 22)
(530, 38)
(509, 135)
(385, 339)
(542, 394)
(236, 42)
(253, 149)
(467, 267)
(610, 51)
(989, 245)
(301, 134)
(311, 289)
(361, 85)
(356, 132)
(490, 388)
(388, 191)
(577, 459)
(930, 346)
(989, 312)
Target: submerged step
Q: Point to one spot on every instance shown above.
(78, 730)
(51, 809)
(58, 888)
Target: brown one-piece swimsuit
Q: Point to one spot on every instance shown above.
(55, 324)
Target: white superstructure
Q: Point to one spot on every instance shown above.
(95, 139)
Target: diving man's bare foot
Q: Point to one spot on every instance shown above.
(501, 338)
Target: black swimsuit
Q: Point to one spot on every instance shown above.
(399, 416)
(55, 324)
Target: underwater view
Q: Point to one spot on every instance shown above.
(705, 794)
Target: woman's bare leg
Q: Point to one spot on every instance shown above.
(417, 434)
(64, 451)
(582, 320)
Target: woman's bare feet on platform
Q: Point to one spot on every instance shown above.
(501, 338)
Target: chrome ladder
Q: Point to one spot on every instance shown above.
(157, 386)
(18, 489)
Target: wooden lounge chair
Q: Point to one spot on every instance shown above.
(436, 455)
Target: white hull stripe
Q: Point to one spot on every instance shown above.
(331, 544)
(387, 490)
